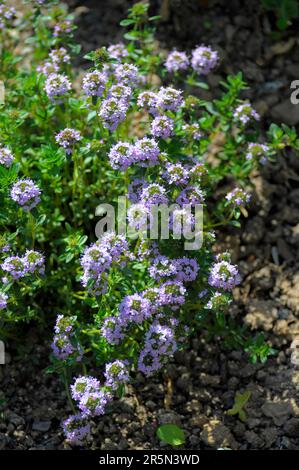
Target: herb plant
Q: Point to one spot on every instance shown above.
(123, 303)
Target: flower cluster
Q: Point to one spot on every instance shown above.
(116, 374)
(98, 259)
(76, 428)
(3, 300)
(117, 51)
(112, 113)
(127, 74)
(25, 193)
(176, 174)
(224, 275)
(33, 262)
(204, 59)
(6, 157)
(190, 195)
(67, 138)
(244, 113)
(94, 83)
(60, 56)
(153, 194)
(183, 269)
(63, 28)
(57, 87)
(257, 151)
(149, 101)
(121, 155)
(143, 292)
(64, 345)
(237, 197)
(193, 131)
(92, 399)
(7, 14)
(160, 343)
(177, 61)
(162, 126)
(57, 59)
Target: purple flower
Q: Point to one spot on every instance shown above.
(193, 130)
(170, 99)
(120, 92)
(94, 83)
(25, 193)
(63, 28)
(14, 265)
(177, 61)
(198, 170)
(224, 275)
(186, 269)
(176, 174)
(127, 74)
(34, 262)
(60, 56)
(203, 293)
(153, 194)
(31, 263)
(67, 138)
(57, 86)
(135, 189)
(162, 126)
(7, 14)
(83, 385)
(244, 113)
(98, 258)
(116, 373)
(204, 59)
(76, 429)
(138, 215)
(162, 267)
(112, 113)
(134, 309)
(171, 294)
(4, 246)
(258, 151)
(6, 157)
(113, 330)
(121, 155)
(182, 221)
(3, 300)
(146, 152)
(237, 197)
(190, 195)
(117, 51)
(48, 68)
(217, 301)
(64, 345)
(93, 403)
(149, 101)
(159, 344)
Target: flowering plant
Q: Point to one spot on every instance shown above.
(130, 126)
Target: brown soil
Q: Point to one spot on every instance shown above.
(206, 377)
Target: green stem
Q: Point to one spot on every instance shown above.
(67, 390)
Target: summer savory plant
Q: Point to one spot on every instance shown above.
(132, 126)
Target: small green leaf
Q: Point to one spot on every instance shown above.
(171, 434)
(241, 400)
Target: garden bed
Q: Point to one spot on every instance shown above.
(199, 386)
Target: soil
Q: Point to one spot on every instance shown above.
(199, 385)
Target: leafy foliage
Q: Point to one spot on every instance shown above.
(171, 434)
